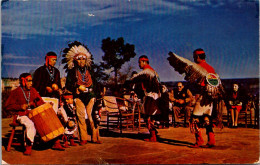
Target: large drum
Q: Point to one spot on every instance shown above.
(46, 122)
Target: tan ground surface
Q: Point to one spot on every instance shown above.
(239, 145)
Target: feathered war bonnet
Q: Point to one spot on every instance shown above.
(75, 51)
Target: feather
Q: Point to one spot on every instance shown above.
(149, 80)
(144, 74)
(195, 73)
(75, 51)
(64, 60)
(147, 76)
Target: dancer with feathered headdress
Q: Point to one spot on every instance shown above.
(79, 81)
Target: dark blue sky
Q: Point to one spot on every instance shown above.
(228, 31)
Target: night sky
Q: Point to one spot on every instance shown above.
(228, 31)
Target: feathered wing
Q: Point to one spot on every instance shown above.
(149, 79)
(193, 72)
(144, 75)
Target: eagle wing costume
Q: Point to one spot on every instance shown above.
(195, 73)
(150, 84)
(150, 80)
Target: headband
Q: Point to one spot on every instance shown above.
(199, 52)
(80, 55)
(143, 59)
(48, 59)
(68, 97)
(24, 79)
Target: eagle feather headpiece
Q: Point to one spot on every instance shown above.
(76, 50)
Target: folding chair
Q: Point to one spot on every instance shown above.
(121, 114)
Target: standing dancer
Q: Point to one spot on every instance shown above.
(46, 79)
(80, 82)
(150, 83)
(210, 88)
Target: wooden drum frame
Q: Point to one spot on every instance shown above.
(46, 122)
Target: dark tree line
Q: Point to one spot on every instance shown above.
(116, 53)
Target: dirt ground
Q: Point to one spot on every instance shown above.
(235, 146)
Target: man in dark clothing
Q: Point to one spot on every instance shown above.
(46, 79)
(182, 99)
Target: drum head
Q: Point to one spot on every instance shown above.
(54, 101)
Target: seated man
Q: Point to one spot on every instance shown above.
(21, 100)
(182, 99)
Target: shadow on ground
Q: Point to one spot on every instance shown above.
(142, 136)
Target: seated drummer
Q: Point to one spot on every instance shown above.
(21, 100)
